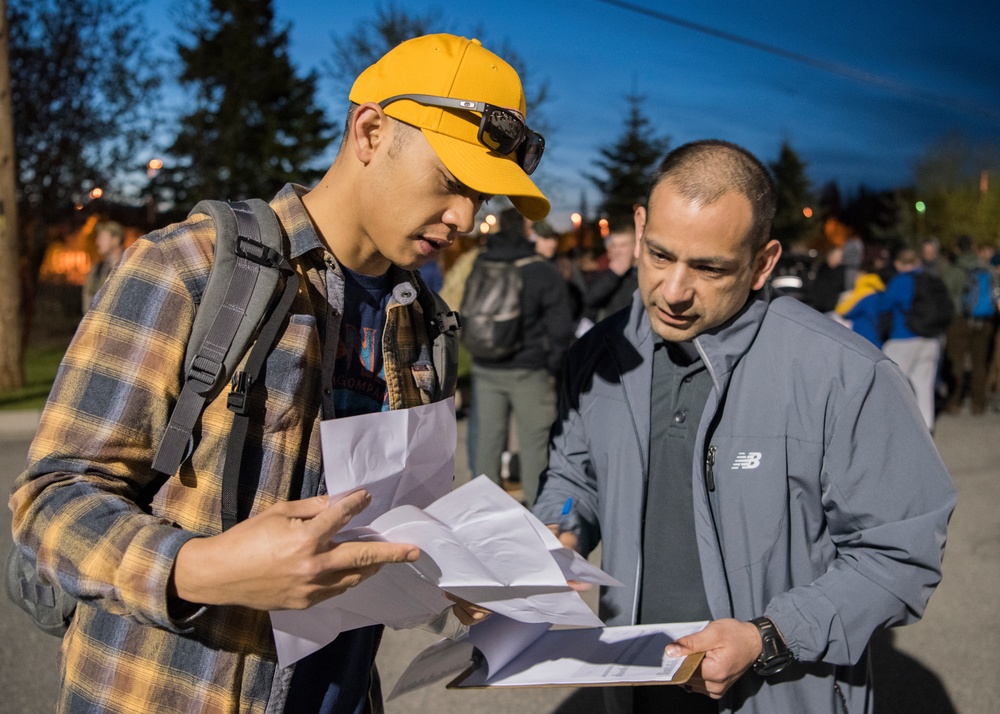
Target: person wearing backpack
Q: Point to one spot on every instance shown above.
(973, 291)
(517, 324)
(920, 310)
(172, 610)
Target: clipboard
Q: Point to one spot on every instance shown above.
(504, 653)
(681, 676)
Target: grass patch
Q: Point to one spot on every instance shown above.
(41, 362)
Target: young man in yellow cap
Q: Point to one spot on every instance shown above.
(173, 610)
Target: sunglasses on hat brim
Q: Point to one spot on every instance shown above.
(500, 130)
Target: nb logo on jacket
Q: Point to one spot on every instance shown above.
(747, 460)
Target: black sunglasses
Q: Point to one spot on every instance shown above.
(500, 130)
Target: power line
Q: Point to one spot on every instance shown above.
(832, 67)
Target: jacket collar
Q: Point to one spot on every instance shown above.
(722, 347)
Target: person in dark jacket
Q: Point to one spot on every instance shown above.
(524, 382)
(612, 289)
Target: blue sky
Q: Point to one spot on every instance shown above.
(929, 70)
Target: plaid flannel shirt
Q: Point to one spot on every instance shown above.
(109, 527)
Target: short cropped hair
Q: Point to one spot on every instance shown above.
(705, 171)
(399, 138)
(112, 227)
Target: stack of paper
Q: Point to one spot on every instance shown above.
(477, 543)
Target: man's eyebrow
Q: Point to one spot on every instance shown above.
(719, 261)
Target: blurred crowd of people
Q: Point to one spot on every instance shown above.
(952, 358)
(564, 292)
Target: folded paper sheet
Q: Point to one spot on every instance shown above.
(476, 543)
(403, 457)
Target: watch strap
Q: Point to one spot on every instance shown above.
(774, 654)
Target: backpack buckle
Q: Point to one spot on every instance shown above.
(238, 401)
(448, 322)
(257, 252)
(205, 370)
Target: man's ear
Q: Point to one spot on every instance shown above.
(640, 226)
(369, 130)
(765, 262)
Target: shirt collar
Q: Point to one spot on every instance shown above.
(287, 205)
(684, 353)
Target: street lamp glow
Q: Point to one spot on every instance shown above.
(153, 167)
(807, 212)
(921, 207)
(96, 192)
(577, 219)
(484, 227)
(491, 220)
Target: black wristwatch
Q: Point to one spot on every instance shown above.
(774, 653)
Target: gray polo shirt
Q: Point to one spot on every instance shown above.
(672, 589)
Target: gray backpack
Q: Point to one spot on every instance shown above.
(250, 289)
(492, 324)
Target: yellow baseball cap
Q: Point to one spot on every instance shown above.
(455, 67)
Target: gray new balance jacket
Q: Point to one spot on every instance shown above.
(828, 503)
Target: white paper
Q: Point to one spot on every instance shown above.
(606, 656)
(476, 543)
(402, 457)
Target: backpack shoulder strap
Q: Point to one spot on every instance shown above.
(249, 261)
(443, 325)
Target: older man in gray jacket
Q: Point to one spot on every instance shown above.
(744, 460)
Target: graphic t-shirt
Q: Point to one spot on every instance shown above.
(359, 371)
(334, 680)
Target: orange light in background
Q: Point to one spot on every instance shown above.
(807, 212)
(78, 207)
(155, 164)
(484, 227)
(96, 192)
(603, 223)
(577, 219)
(491, 220)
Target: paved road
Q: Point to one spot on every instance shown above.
(946, 663)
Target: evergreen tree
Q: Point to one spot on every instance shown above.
(872, 214)
(793, 195)
(628, 165)
(255, 124)
(830, 203)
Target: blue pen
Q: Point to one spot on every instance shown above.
(565, 519)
